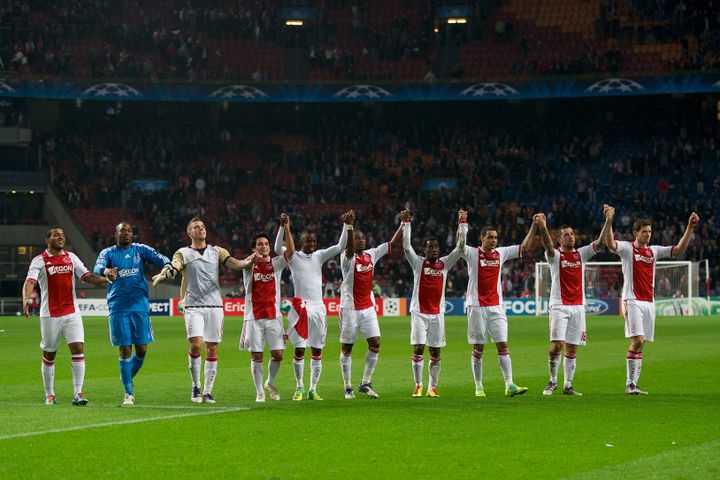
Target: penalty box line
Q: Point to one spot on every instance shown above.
(122, 422)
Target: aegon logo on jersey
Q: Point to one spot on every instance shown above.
(127, 272)
(363, 268)
(489, 263)
(643, 258)
(60, 269)
(433, 272)
(259, 277)
(566, 264)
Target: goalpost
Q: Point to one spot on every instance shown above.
(677, 286)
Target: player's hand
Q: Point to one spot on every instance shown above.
(540, 220)
(253, 258)
(405, 215)
(348, 217)
(111, 274)
(694, 220)
(26, 309)
(168, 272)
(462, 216)
(284, 219)
(609, 212)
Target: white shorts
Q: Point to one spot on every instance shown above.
(639, 319)
(351, 321)
(309, 328)
(257, 333)
(207, 323)
(567, 324)
(427, 329)
(70, 326)
(484, 321)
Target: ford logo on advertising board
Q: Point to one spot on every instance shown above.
(596, 307)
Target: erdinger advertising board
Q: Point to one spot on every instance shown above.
(391, 307)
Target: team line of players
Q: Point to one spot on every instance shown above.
(121, 268)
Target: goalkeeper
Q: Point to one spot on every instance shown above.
(200, 265)
(127, 298)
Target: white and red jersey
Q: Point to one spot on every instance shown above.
(484, 270)
(262, 289)
(567, 275)
(429, 277)
(306, 268)
(356, 291)
(638, 266)
(56, 276)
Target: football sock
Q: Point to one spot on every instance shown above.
(505, 366)
(371, 360)
(569, 369)
(137, 363)
(256, 369)
(194, 366)
(433, 372)
(315, 370)
(273, 368)
(78, 372)
(418, 364)
(476, 364)
(345, 368)
(211, 365)
(48, 375)
(554, 365)
(298, 370)
(125, 365)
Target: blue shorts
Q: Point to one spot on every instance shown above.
(130, 328)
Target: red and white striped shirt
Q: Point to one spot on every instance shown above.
(429, 277)
(484, 269)
(56, 276)
(567, 275)
(356, 290)
(262, 289)
(638, 266)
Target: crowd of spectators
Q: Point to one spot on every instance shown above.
(501, 169)
(187, 41)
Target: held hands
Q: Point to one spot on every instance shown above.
(540, 220)
(693, 221)
(405, 215)
(609, 212)
(462, 216)
(348, 217)
(168, 272)
(111, 274)
(253, 258)
(284, 220)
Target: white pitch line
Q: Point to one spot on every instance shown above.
(121, 422)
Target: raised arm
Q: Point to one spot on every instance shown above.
(540, 222)
(350, 246)
(609, 240)
(330, 252)
(413, 258)
(279, 241)
(529, 238)
(682, 245)
(606, 228)
(290, 251)
(462, 231)
(396, 240)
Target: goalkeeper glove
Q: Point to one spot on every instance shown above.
(167, 273)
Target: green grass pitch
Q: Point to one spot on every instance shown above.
(672, 433)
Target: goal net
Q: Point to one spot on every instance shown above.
(677, 286)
